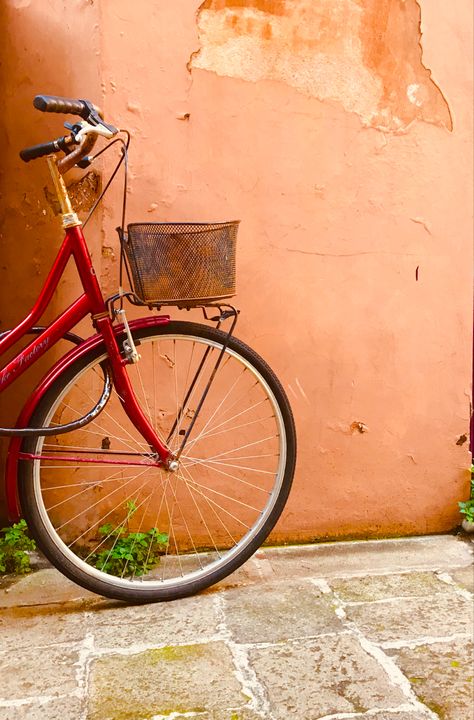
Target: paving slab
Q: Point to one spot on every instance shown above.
(279, 612)
(177, 679)
(183, 621)
(410, 619)
(323, 677)
(385, 587)
(33, 672)
(441, 676)
(257, 569)
(464, 577)
(66, 708)
(46, 586)
(27, 627)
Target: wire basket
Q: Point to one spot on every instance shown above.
(182, 264)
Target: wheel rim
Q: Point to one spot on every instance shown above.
(200, 527)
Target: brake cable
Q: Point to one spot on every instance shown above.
(122, 159)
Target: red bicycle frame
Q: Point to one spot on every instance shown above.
(90, 302)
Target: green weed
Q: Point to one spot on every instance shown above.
(466, 508)
(127, 553)
(14, 547)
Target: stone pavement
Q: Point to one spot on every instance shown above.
(381, 630)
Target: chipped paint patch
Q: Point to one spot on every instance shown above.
(364, 54)
(412, 94)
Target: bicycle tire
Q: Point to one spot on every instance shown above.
(188, 555)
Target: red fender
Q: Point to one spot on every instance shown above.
(11, 468)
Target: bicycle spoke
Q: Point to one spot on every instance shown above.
(212, 464)
(172, 533)
(101, 519)
(88, 487)
(105, 432)
(91, 483)
(220, 404)
(201, 488)
(238, 479)
(188, 532)
(210, 432)
(106, 413)
(242, 447)
(117, 489)
(190, 487)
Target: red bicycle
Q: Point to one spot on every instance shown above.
(156, 456)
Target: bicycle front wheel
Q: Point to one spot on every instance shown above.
(110, 518)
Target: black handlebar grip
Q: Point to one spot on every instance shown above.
(36, 151)
(68, 106)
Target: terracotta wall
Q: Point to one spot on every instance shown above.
(43, 42)
(340, 133)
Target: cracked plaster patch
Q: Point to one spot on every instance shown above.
(364, 54)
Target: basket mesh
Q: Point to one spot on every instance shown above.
(183, 263)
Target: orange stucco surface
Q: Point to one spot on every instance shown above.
(340, 134)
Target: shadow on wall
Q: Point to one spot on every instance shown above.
(43, 50)
(364, 54)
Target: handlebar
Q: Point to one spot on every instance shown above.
(84, 135)
(75, 157)
(36, 151)
(67, 106)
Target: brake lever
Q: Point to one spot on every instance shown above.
(88, 128)
(96, 119)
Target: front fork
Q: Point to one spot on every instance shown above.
(127, 396)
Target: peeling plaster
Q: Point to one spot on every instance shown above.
(83, 193)
(364, 54)
(359, 427)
